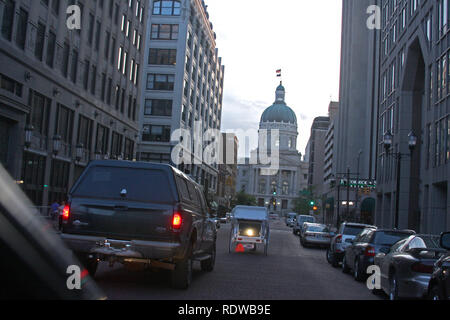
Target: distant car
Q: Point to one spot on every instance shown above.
(361, 253)
(290, 218)
(301, 219)
(439, 287)
(274, 216)
(345, 235)
(407, 267)
(315, 235)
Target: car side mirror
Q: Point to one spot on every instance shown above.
(445, 240)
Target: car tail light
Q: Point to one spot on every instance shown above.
(422, 268)
(177, 221)
(66, 213)
(339, 239)
(370, 252)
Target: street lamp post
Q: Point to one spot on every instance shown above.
(412, 143)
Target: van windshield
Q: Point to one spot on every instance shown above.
(141, 185)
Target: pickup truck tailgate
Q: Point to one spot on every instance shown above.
(120, 220)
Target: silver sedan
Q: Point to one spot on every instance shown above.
(316, 235)
(407, 267)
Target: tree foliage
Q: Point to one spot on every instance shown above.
(244, 199)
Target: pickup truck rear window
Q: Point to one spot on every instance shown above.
(142, 185)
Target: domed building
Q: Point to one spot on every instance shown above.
(275, 186)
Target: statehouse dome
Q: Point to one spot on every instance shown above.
(279, 111)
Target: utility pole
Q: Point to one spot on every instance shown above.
(348, 192)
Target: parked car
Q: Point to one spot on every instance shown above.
(274, 216)
(361, 253)
(345, 235)
(140, 214)
(290, 218)
(407, 266)
(315, 235)
(301, 219)
(439, 287)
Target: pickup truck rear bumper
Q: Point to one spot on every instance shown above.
(137, 249)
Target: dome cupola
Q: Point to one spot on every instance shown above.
(279, 111)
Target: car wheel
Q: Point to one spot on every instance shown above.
(345, 268)
(208, 265)
(393, 290)
(357, 274)
(332, 258)
(434, 293)
(182, 274)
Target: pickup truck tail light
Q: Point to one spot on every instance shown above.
(422, 268)
(66, 213)
(177, 221)
(369, 252)
(339, 239)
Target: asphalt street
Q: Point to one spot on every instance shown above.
(289, 272)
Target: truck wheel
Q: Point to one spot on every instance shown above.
(181, 276)
(90, 264)
(208, 265)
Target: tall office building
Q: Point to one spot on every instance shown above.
(67, 96)
(356, 123)
(414, 97)
(358, 90)
(183, 82)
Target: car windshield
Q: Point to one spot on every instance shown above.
(353, 230)
(388, 238)
(305, 219)
(140, 184)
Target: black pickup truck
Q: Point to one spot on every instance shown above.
(143, 214)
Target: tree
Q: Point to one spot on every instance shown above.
(302, 204)
(244, 199)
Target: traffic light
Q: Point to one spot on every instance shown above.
(315, 208)
(312, 203)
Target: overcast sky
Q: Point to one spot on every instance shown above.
(257, 37)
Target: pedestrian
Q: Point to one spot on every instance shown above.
(54, 210)
(61, 211)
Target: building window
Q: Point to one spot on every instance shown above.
(39, 44)
(22, 25)
(129, 149)
(11, 85)
(167, 8)
(7, 7)
(162, 57)
(163, 82)
(164, 32)
(64, 124)
(155, 157)
(59, 180)
(65, 60)
(39, 114)
(51, 45)
(85, 132)
(101, 145)
(33, 170)
(161, 108)
(154, 133)
(116, 145)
